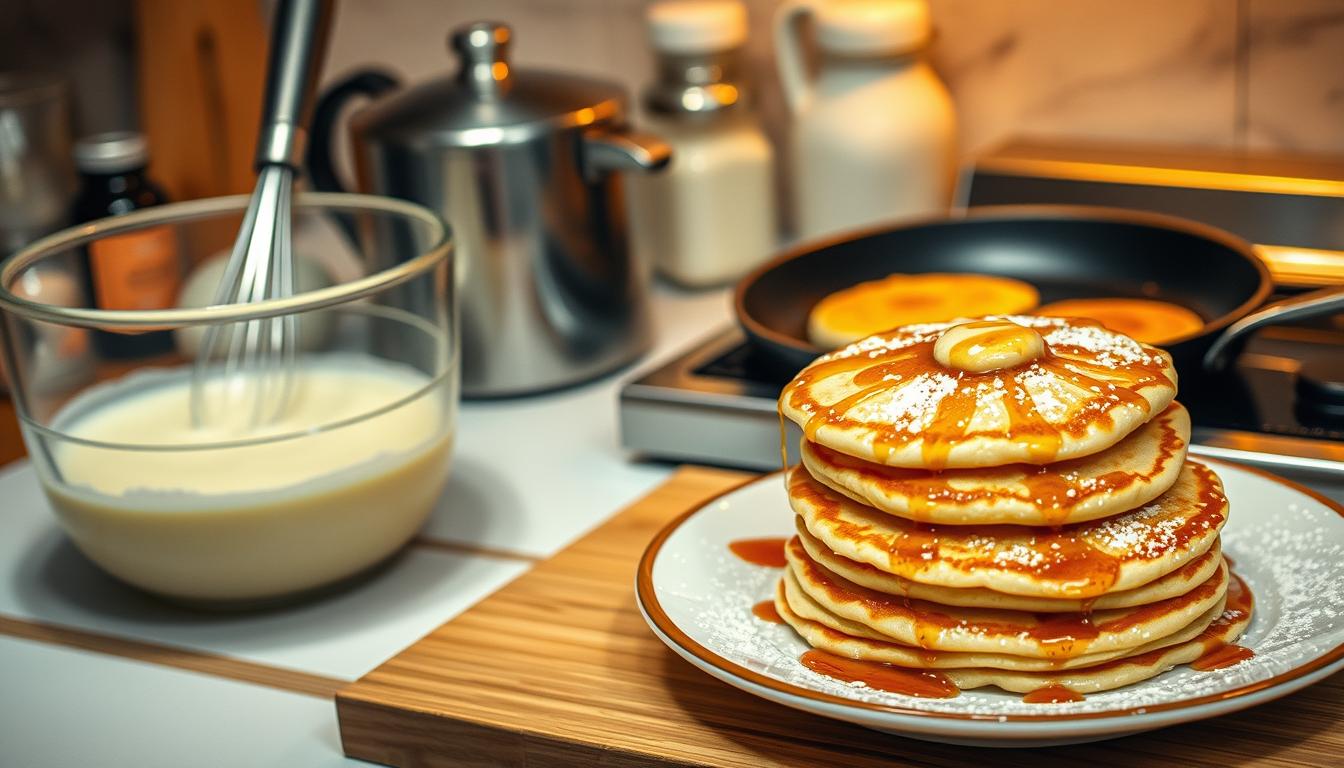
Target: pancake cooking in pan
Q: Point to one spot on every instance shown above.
(878, 305)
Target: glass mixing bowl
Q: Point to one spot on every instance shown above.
(221, 510)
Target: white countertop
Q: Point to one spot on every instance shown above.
(529, 476)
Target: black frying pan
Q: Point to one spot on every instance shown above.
(1064, 251)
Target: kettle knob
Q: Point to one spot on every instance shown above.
(483, 48)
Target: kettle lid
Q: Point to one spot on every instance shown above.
(488, 101)
(873, 27)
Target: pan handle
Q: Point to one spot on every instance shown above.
(1320, 302)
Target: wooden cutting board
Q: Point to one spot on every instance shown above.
(558, 669)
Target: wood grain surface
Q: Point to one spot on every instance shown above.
(559, 669)
(202, 68)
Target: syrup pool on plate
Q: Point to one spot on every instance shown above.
(925, 684)
(227, 512)
(768, 552)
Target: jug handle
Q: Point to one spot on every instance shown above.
(789, 54)
(607, 150)
(321, 148)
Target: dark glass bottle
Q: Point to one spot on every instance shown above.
(137, 270)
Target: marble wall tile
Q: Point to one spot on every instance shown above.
(1167, 71)
(1078, 69)
(1295, 75)
(410, 36)
(1140, 70)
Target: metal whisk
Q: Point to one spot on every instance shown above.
(254, 383)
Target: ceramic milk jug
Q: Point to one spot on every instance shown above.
(874, 134)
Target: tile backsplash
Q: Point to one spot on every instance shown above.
(1257, 74)
(1295, 75)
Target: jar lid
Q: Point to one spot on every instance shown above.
(873, 27)
(113, 152)
(488, 102)
(697, 26)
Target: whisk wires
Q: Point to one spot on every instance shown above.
(244, 372)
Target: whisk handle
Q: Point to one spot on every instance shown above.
(298, 45)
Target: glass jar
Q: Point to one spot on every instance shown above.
(709, 217)
(137, 270)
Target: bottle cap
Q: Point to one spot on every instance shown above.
(873, 27)
(113, 152)
(697, 26)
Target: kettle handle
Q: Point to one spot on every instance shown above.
(319, 159)
(789, 54)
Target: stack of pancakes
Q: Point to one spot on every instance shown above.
(1006, 501)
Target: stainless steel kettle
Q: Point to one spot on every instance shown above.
(525, 167)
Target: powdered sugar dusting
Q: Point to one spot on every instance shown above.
(907, 408)
(874, 346)
(1051, 396)
(1288, 547)
(1058, 392)
(1107, 347)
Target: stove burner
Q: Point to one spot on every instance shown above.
(1320, 391)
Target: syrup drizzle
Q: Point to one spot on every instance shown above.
(1059, 635)
(909, 359)
(1240, 603)
(1185, 573)
(1222, 656)
(884, 677)
(767, 552)
(766, 611)
(1056, 489)
(1065, 556)
(1052, 694)
(1219, 654)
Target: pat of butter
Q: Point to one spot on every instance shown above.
(987, 345)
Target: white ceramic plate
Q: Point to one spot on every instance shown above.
(1285, 541)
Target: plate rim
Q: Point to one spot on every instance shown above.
(653, 611)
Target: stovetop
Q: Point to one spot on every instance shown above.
(716, 404)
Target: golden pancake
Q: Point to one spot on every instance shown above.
(1178, 582)
(1076, 389)
(1227, 628)
(864, 309)
(1230, 617)
(937, 627)
(1129, 474)
(1146, 320)
(856, 641)
(1080, 561)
